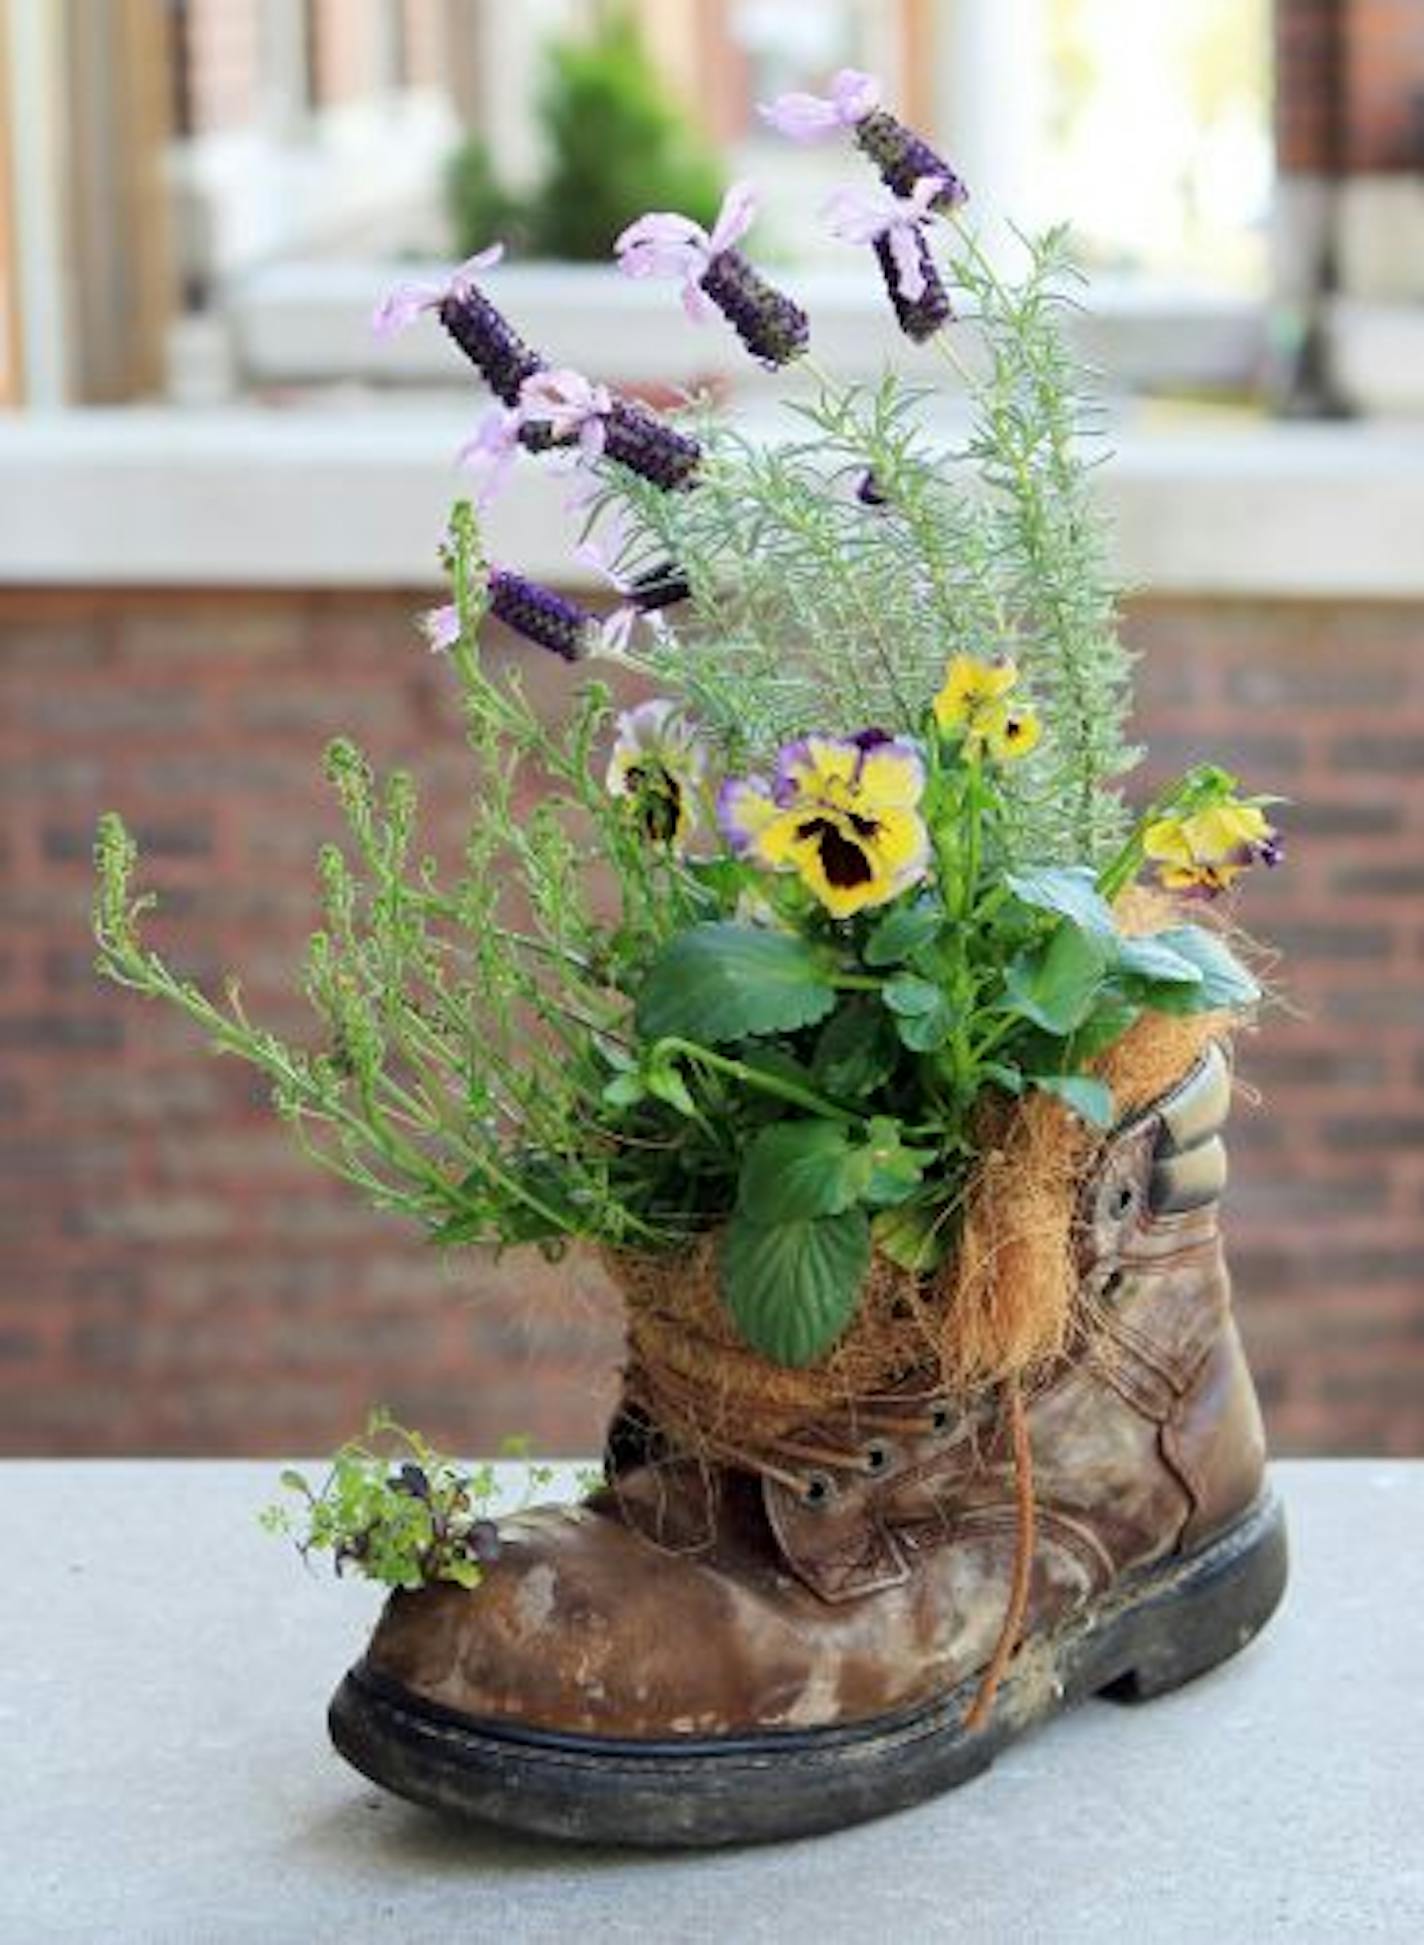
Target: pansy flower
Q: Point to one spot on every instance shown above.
(974, 705)
(1203, 853)
(841, 812)
(659, 767)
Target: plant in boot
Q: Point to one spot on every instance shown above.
(837, 996)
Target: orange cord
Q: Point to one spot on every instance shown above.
(1013, 1621)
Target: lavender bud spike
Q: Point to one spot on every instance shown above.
(902, 157)
(490, 342)
(646, 444)
(542, 616)
(918, 317)
(771, 325)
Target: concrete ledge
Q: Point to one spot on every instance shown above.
(356, 495)
(164, 1668)
(309, 324)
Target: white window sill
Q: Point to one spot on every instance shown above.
(358, 497)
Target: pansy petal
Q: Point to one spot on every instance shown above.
(893, 776)
(744, 810)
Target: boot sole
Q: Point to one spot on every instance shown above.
(1160, 1630)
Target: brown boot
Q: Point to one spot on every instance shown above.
(710, 1654)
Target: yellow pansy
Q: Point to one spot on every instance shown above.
(659, 766)
(841, 812)
(973, 703)
(1204, 853)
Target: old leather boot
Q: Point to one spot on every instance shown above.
(713, 1654)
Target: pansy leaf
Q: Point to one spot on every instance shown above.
(792, 1286)
(1069, 890)
(923, 1033)
(902, 933)
(1108, 1021)
(722, 981)
(1152, 958)
(889, 1171)
(1090, 1099)
(1055, 986)
(796, 1170)
(917, 1233)
(855, 1052)
(1225, 983)
(907, 995)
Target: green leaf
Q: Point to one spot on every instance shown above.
(917, 1234)
(722, 981)
(855, 1052)
(796, 1170)
(902, 933)
(1090, 1099)
(1070, 890)
(1225, 982)
(889, 1171)
(666, 1084)
(1108, 1021)
(1152, 958)
(624, 1091)
(1056, 986)
(908, 995)
(792, 1286)
(924, 1033)
(924, 1018)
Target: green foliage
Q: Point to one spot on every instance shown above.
(581, 1032)
(481, 209)
(792, 1286)
(721, 981)
(394, 1510)
(617, 147)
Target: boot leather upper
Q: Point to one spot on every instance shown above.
(689, 1600)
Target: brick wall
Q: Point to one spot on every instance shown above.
(1350, 86)
(176, 1279)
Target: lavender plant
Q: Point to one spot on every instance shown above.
(866, 848)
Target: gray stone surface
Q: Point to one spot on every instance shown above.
(164, 1668)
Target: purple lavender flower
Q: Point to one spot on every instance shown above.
(895, 228)
(490, 342)
(485, 336)
(542, 616)
(648, 445)
(572, 409)
(901, 156)
(772, 327)
(662, 586)
(904, 158)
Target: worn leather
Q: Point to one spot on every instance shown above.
(694, 1601)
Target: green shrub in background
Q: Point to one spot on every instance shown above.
(616, 146)
(481, 208)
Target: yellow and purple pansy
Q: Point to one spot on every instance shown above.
(659, 766)
(1203, 853)
(842, 812)
(974, 704)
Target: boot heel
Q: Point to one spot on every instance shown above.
(1216, 1603)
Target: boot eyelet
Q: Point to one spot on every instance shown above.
(876, 1457)
(1122, 1201)
(819, 1491)
(941, 1419)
